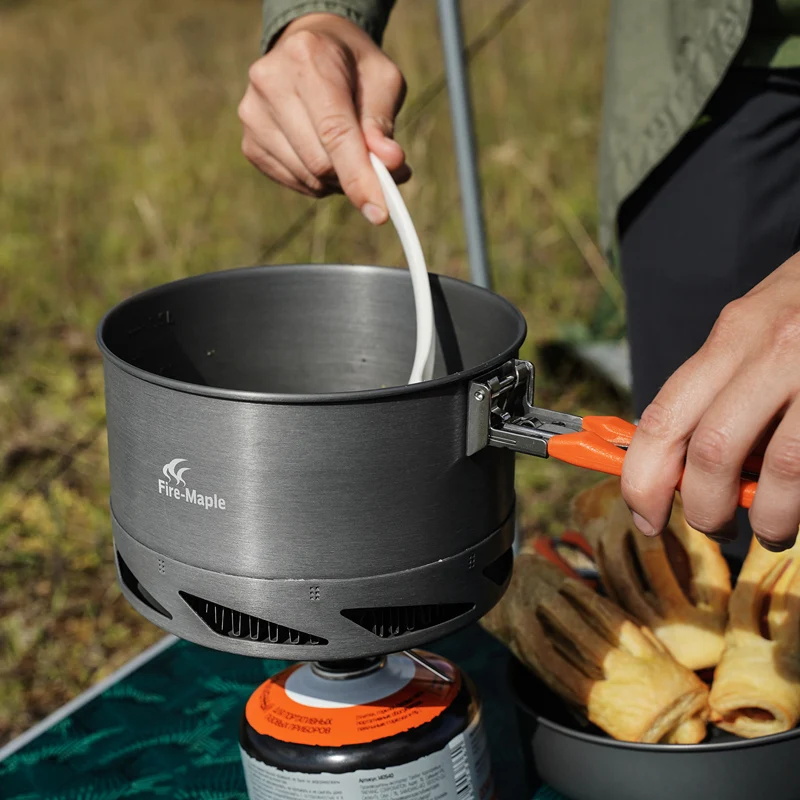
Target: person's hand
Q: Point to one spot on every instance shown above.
(323, 97)
(738, 393)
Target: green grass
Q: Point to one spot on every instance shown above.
(120, 169)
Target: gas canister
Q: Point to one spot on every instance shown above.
(386, 728)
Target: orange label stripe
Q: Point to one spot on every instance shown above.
(271, 712)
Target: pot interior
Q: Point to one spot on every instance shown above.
(305, 329)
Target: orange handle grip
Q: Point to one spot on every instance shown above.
(747, 492)
(613, 429)
(586, 449)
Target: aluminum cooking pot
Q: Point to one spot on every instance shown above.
(278, 490)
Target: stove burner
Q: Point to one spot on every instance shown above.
(348, 668)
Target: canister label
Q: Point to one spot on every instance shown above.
(300, 708)
(459, 771)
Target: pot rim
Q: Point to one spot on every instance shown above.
(516, 668)
(294, 398)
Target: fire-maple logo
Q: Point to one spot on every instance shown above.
(173, 491)
(169, 471)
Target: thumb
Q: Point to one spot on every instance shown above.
(380, 142)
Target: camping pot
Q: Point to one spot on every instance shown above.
(278, 490)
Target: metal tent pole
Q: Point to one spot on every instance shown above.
(464, 138)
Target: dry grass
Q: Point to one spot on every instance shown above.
(120, 169)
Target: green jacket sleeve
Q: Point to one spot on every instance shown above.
(371, 15)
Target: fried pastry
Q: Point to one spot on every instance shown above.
(677, 584)
(598, 658)
(756, 688)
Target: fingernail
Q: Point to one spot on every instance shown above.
(374, 214)
(643, 525)
(773, 547)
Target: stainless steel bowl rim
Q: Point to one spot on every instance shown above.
(288, 398)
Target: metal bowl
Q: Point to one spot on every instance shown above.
(583, 763)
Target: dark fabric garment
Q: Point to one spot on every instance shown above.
(371, 15)
(714, 219)
(718, 216)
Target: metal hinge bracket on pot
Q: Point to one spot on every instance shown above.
(500, 413)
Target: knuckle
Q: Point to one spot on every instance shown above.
(783, 459)
(259, 159)
(260, 72)
(303, 45)
(643, 495)
(319, 165)
(729, 322)
(732, 313)
(630, 487)
(351, 186)
(709, 449)
(334, 129)
(786, 331)
(244, 111)
(249, 149)
(393, 79)
(657, 420)
(633, 493)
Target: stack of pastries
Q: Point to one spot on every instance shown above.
(756, 689)
(628, 659)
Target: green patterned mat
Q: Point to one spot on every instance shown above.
(170, 729)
